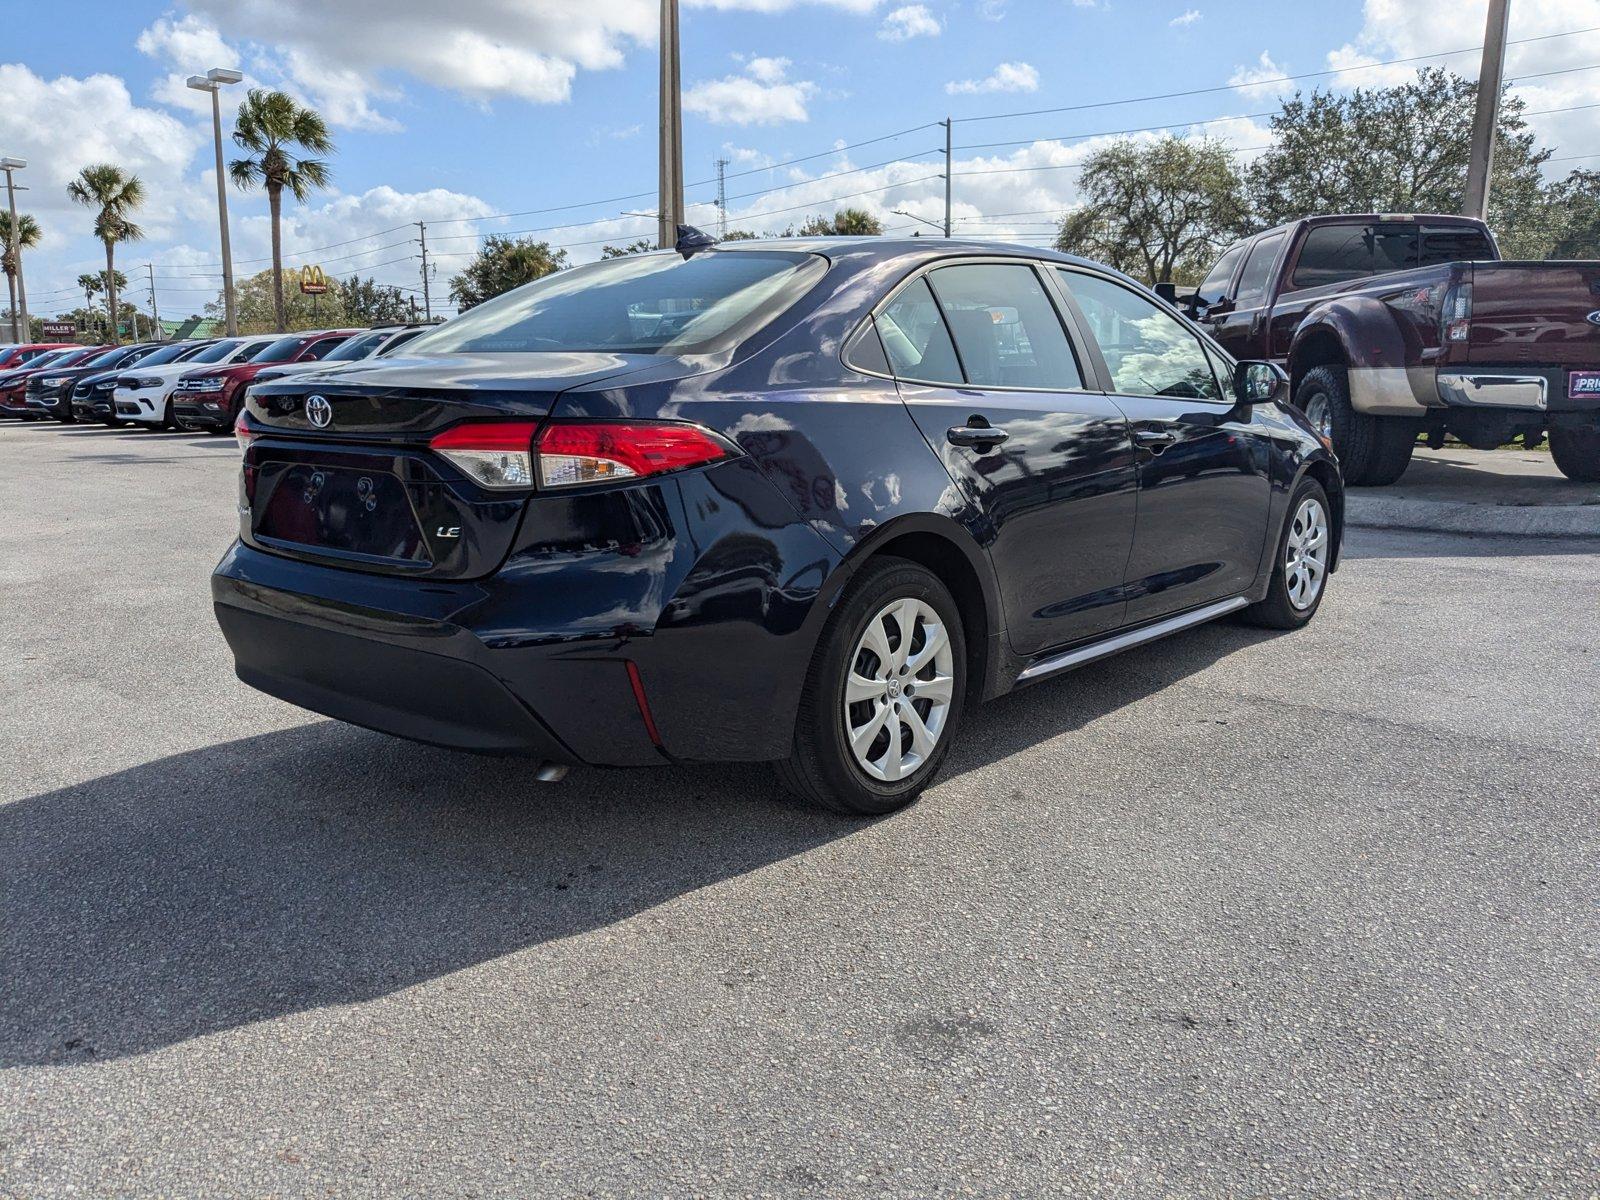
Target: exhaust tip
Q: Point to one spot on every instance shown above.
(551, 772)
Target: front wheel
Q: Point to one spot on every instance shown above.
(884, 695)
(1576, 453)
(1300, 570)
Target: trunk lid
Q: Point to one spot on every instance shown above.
(1535, 314)
(362, 489)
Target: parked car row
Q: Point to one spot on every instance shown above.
(198, 384)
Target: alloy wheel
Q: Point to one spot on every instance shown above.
(1305, 559)
(898, 691)
(1320, 413)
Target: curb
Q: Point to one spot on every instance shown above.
(1482, 520)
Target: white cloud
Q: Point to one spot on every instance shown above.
(1265, 78)
(1407, 28)
(763, 95)
(909, 21)
(1186, 18)
(1007, 77)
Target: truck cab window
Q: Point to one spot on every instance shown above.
(1338, 253)
(1257, 271)
(1215, 287)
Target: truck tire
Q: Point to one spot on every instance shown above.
(1324, 396)
(1577, 453)
(1393, 441)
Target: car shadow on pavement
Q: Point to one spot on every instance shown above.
(325, 864)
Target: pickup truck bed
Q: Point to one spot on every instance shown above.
(1395, 327)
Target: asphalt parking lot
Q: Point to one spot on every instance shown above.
(1240, 914)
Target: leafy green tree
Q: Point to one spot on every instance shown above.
(115, 196)
(278, 131)
(847, 222)
(738, 235)
(1572, 216)
(642, 246)
(368, 302)
(257, 300)
(503, 263)
(1398, 149)
(1159, 210)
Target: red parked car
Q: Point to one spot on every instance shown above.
(14, 383)
(14, 357)
(211, 398)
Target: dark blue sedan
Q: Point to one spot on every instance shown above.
(797, 501)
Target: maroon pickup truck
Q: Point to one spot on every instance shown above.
(1396, 326)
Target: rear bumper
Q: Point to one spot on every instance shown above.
(1525, 390)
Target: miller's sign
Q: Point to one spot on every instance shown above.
(58, 329)
(312, 281)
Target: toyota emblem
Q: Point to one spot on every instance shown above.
(318, 411)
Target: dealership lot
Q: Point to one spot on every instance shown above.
(1239, 913)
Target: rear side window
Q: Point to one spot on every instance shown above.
(1006, 329)
(1215, 287)
(915, 338)
(1148, 351)
(1257, 271)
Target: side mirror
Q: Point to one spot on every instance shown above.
(1168, 291)
(1260, 383)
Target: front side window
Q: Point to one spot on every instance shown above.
(1006, 329)
(1258, 270)
(1215, 287)
(1148, 351)
(915, 338)
(636, 304)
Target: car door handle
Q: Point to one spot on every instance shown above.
(983, 437)
(1154, 440)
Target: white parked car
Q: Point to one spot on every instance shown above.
(144, 394)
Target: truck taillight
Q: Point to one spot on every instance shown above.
(1455, 315)
(573, 453)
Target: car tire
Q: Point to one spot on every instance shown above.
(1576, 453)
(1286, 605)
(825, 769)
(1324, 396)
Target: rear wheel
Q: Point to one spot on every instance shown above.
(884, 694)
(1576, 452)
(1300, 570)
(1372, 450)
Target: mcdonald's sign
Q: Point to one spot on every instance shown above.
(312, 281)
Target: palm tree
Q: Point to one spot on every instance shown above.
(268, 125)
(115, 195)
(27, 238)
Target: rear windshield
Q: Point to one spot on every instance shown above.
(639, 304)
(281, 350)
(216, 353)
(110, 358)
(356, 348)
(1337, 253)
(168, 354)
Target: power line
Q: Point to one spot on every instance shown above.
(1228, 87)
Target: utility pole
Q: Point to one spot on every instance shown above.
(1484, 122)
(413, 301)
(161, 334)
(948, 124)
(669, 212)
(427, 297)
(19, 310)
(722, 199)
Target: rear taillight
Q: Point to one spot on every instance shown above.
(573, 453)
(495, 454)
(1455, 315)
(242, 433)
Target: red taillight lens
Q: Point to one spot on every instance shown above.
(572, 453)
(495, 454)
(242, 433)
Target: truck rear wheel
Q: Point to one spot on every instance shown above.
(1372, 450)
(1577, 453)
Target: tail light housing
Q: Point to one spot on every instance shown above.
(1455, 314)
(242, 433)
(505, 454)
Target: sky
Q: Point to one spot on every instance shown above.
(539, 116)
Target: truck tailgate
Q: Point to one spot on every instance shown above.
(1535, 313)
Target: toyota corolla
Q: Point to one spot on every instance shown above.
(798, 501)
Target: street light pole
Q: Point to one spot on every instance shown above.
(670, 210)
(19, 311)
(949, 125)
(1487, 116)
(214, 81)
